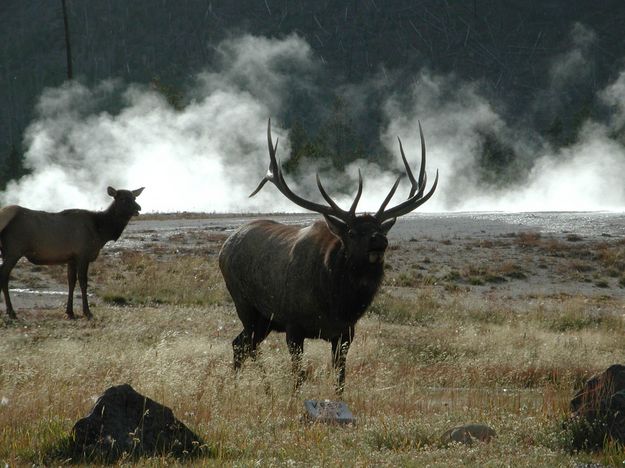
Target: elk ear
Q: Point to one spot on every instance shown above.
(111, 191)
(338, 227)
(387, 225)
(137, 192)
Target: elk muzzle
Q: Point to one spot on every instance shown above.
(377, 248)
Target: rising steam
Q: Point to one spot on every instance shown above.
(210, 155)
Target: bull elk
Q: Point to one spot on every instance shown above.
(316, 281)
(74, 237)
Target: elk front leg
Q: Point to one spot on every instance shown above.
(295, 342)
(83, 270)
(340, 346)
(71, 283)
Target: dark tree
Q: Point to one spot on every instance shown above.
(68, 45)
(12, 167)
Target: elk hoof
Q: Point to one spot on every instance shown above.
(300, 378)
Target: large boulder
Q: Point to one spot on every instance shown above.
(598, 410)
(125, 422)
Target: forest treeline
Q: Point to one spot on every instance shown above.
(507, 47)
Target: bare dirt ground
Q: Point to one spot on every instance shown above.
(517, 258)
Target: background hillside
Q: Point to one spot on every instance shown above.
(539, 64)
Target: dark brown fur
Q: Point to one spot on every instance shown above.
(74, 237)
(311, 282)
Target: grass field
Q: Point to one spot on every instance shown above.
(429, 355)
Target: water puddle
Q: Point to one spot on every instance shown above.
(41, 292)
(37, 291)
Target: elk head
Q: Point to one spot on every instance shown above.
(363, 236)
(125, 204)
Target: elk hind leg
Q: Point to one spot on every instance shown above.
(71, 283)
(262, 327)
(255, 330)
(8, 263)
(83, 271)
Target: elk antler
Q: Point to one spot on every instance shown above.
(415, 197)
(275, 176)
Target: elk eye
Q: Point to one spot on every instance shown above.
(352, 233)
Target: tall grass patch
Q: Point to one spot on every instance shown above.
(141, 278)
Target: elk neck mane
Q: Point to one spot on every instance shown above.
(354, 285)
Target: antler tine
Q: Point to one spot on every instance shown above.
(413, 181)
(275, 176)
(415, 197)
(280, 182)
(422, 174)
(388, 198)
(352, 209)
(327, 198)
(260, 186)
(420, 184)
(409, 205)
(274, 167)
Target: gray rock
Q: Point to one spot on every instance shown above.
(467, 433)
(126, 422)
(328, 411)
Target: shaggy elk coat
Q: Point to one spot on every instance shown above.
(315, 281)
(74, 237)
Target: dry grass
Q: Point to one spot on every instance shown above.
(142, 278)
(423, 361)
(406, 384)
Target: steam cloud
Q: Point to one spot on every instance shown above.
(210, 156)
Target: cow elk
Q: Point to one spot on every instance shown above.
(74, 237)
(311, 282)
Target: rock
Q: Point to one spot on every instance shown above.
(124, 421)
(598, 388)
(328, 411)
(598, 410)
(467, 433)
